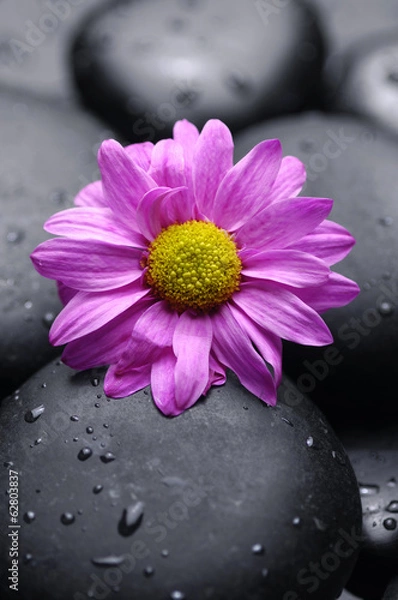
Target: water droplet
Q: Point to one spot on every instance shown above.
(8, 464)
(339, 457)
(74, 418)
(386, 275)
(285, 420)
(164, 553)
(32, 415)
(386, 221)
(48, 319)
(245, 407)
(177, 595)
(80, 511)
(108, 457)
(108, 561)
(173, 481)
(98, 488)
(392, 482)
(106, 425)
(14, 237)
(89, 429)
(319, 524)
(385, 308)
(296, 521)
(44, 385)
(84, 453)
(368, 490)
(131, 518)
(67, 518)
(309, 441)
(27, 558)
(393, 506)
(390, 524)
(29, 516)
(264, 572)
(38, 441)
(149, 571)
(97, 405)
(95, 381)
(75, 439)
(28, 304)
(258, 549)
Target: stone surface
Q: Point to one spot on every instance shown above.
(143, 65)
(368, 83)
(46, 155)
(374, 456)
(356, 166)
(34, 40)
(231, 500)
(392, 590)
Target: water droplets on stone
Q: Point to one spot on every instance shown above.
(15, 236)
(95, 381)
(32, 415)
(368, 490)
(264, 572)
(89, 429)
(28, 304)
(67, 518)
(287, 421)
(319, 524)
(29, 516)
(392, 482)
(164, 553)
(108, 457)
(258, 549)
(393, 506)
(148, 571)
(386, 221)
(338, 457)
(108, 561)
(385, 308)
(74, 418)
(98, 488)
(131, 518)
(390, 524)
(310, 441)
(27, 558)
(84, 453)
(177, 595)
(48, 319)
(296, 521)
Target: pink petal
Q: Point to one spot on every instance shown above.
(243, 191)
(289, 181)
(105, 345)
(191, 344)
(267, 344)
(93, 223)
(124, 182)
(162, 383)
(291, 267)
(337, 291)
(118, 385)
(217, 374)
(153, 211)
(91, 195)
(140, 154)
(186, 134)
(213, 157)
(65, 293)
(328, 241)
(283, 313)
(87, 266)
(86, 312)
(283, 223)
(167, 164)
(233, 347)
(152, 333)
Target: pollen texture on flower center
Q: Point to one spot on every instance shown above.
(193, 265)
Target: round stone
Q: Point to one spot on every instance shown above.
(205, 500)
(356, 165)
(34, 44)
(369, 84)
(144, 65)
(47, 153)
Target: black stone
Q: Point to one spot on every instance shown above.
(144, 65)
(374, 456)
(240, 477)
(47, 153)
(368, 83)
(356, 165)
(34, 44)
(392, 590)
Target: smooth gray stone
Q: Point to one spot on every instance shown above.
(231, 500)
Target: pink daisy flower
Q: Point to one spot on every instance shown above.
(178, 265)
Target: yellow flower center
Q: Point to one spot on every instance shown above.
(193, 265)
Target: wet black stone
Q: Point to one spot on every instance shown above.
(374, 456)
(368, 83)
(356, 165)
(34, 43)
(144, 65)
(47, 154)
(240, 478)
